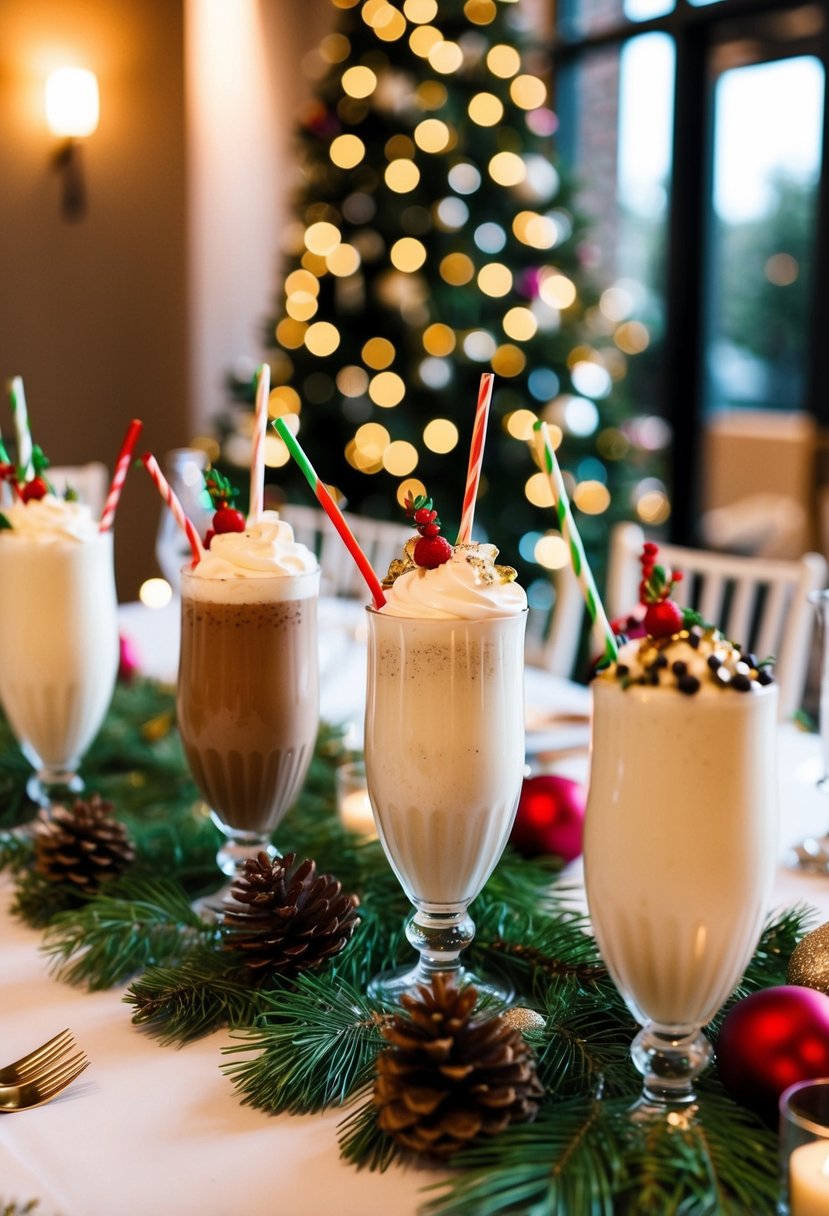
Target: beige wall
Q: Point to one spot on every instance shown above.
(92, 314)
(140, 309)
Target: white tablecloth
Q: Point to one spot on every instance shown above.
(157, 1130)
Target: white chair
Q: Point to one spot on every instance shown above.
(379, 539)
(554, 642)
(89, 481)
(759, 602)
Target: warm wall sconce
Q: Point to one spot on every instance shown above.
(72, 110)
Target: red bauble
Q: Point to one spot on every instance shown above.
(771, 1039)
(663, 618)
(128, 661)
(550, 817)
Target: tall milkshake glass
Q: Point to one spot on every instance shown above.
(680, 841)
(58, 637)
(444, 750)
(248, 687)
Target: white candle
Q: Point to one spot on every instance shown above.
(356, 814)
(809, 1179)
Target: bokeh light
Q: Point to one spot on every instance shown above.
(440, 435)
(401, 176)
(359, 81)
(378, 353)
(346, 151)
(400, 458)
(387, 389)
(486, 109)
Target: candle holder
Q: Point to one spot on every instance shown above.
(353, 804)
(804, 1149)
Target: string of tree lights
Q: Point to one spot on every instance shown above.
(435, 238)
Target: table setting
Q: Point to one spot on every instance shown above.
(265, 998)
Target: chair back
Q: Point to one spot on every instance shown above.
(554, 642)
(89, 481)
(379, 539)
(762, 603)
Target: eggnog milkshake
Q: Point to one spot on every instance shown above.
(444, 739)
(58, 635)
(680, 837)
(248, 689)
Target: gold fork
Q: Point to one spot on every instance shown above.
(44, 1087)
(29, 1066)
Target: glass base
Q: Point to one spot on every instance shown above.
(235, 850)
(53, 787)
(494, 991)
(439, 934)
(670, 1058)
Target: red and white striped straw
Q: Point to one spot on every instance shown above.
(119, 476)
(257, 456)
(476, 458)
(167, 493)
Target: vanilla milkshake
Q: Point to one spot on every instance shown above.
(444, 736)
(681, 830)
(58, 635)
(248, 689)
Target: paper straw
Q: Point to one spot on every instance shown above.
(332, 511)
(4, 455)
(476, 458)
(257, 456)
(549, 465)
(120, 475)
(20, 414)
(167, 493)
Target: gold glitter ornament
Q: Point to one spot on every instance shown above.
(523, 1019)
(809, 964)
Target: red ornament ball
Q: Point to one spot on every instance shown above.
(129, 662)
(550, 817)
(771, 1039)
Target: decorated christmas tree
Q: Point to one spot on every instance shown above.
(435, 238)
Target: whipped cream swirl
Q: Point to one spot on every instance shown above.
(51, 520)
(265, 548)
(468, 587)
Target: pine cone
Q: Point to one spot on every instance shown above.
(447, 1078)
(286, 917)
(85, 845)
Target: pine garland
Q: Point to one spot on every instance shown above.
(308, 1044)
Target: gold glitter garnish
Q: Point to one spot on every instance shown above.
(809, 964)
(521, 1018)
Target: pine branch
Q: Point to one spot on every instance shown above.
(134, 923)
(204, 990)
(15, 850)
(361, 1141)
(315, 1049)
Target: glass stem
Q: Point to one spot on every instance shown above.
(439, 936)
(670, 1059)
(50, 787)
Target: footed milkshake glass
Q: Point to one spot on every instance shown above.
(58, 651)
(679, 857)
(444, 755)
(248, 703)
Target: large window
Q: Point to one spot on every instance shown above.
(697, 130)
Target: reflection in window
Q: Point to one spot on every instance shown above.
(767, 140)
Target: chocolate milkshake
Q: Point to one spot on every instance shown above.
(248, 690)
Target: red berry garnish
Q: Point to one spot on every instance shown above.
(429, 529)
(36, 488)
(663, 618)
(424, 516)
(432, 551)
(228, 519)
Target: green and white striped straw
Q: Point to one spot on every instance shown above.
(550, 466)
(17, 396)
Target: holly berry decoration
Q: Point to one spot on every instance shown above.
(771, 1039)
(550, 817)
(662, 616)
(432, 549)
(226, 517)
(36, 487)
